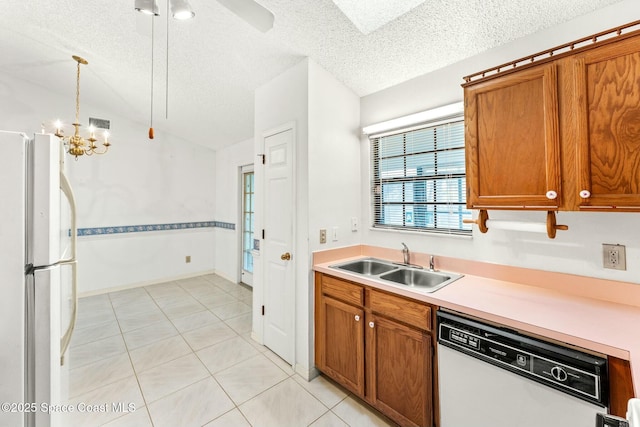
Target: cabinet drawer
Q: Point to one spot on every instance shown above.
(343, 290)
(402, 309)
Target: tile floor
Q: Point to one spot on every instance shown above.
(180, 352)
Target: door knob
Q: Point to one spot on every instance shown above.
(285, 256)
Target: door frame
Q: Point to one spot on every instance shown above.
(289, 302)
(249, 167)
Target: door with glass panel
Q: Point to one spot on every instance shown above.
(248, 216)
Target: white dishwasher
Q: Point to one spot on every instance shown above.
(491, 376)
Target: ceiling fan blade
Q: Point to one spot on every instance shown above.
(256, 15)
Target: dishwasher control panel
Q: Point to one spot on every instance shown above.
(568, 370)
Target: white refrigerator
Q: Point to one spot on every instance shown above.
(38, 301)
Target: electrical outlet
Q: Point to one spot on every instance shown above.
(614, 256)
(187, 259)
(323, 235)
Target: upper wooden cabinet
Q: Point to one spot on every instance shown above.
(558, 133)
(512, 141)
(607, 87)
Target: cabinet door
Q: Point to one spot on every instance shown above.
(608, 90)
(340, 343)
(512, 141)
(399, 371)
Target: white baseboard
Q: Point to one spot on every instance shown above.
(141, 284)
(256, 338)
(225, 276)
(307, 373)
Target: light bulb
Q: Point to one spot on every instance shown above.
(183, 15)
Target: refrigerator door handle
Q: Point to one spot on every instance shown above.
(68, 192)
(66, 337)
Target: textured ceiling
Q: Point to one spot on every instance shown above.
(216, 61)
(370, 15)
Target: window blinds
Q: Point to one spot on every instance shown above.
(419, 179)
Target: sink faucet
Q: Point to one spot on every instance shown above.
(406, 254)
(431, 264)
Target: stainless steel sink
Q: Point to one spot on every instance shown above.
(417, 278)
(368, 267)
(401, 275)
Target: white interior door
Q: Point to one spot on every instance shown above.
(279, 257)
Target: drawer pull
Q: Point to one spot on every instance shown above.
(371, 325)
(357, 318)
(551, 195)
(585, 194)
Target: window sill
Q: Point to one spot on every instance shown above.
(423, 233)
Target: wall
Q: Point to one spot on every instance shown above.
(166, 180)
(334, 159)
(228, 207)
(285, 100)
(577, 250)
(334, 177)
(326, 115)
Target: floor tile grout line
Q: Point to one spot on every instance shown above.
(235, 406)
(194, 352)
(163, 363)
(323, 414)
(238, 298)
(144, 399)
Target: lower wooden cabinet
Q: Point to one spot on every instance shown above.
(399, 380)
(343, 344)
(386, 361)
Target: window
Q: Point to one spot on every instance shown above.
(419, 179)
(248, 216)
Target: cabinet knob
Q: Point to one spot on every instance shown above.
(551, 195)
(357, 318)
(585, 194)
(371, 324)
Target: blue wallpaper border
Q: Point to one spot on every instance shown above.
(121, 229)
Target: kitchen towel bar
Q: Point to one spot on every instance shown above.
(550, 227)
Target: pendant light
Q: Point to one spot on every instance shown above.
(181, 9)
(148, 7)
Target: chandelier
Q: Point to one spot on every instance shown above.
(77, 145)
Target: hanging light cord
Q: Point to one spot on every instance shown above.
(166, 93)
(152, 38)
